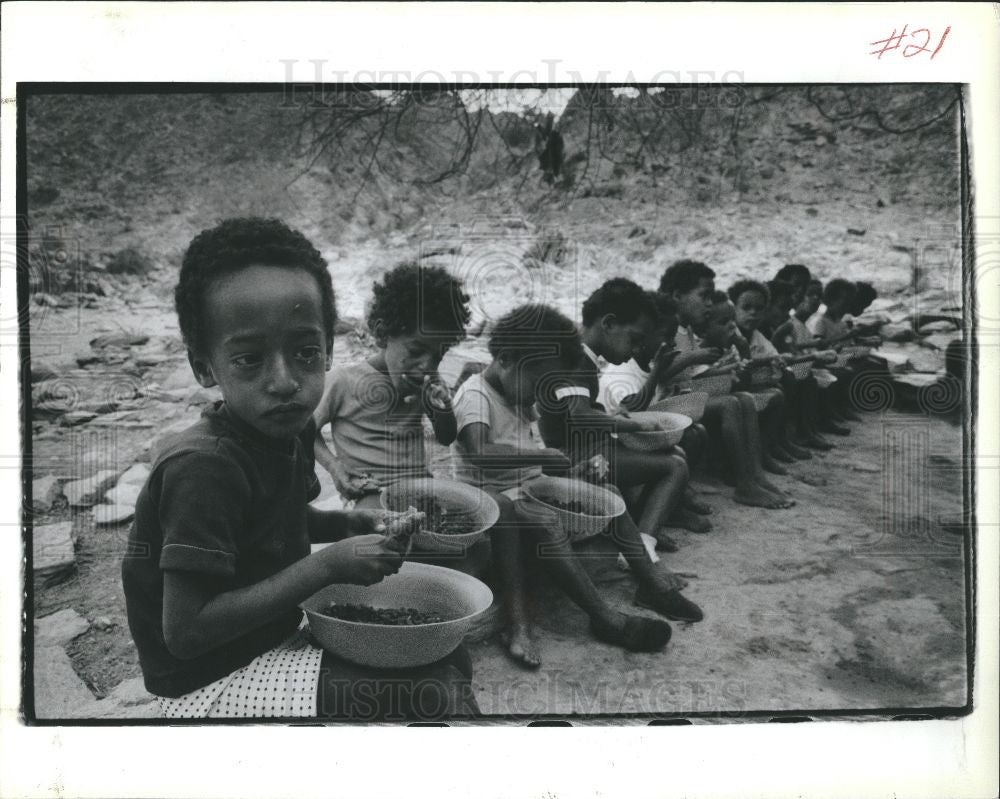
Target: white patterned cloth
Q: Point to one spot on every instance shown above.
(281, 683)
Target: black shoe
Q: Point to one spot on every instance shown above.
(672, 604)
(638, 635)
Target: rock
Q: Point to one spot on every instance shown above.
(74, 418)
(940, 341)
(151, 359)
(112, 514)
(897, 332)
(59, 691)
(811, 211)
(867, 468)
(59, 628)
(897, 360)
(103, 623)
(637, 231)
(85, 492)
(86, 359)
(129, 700)
(42, 370)
(135, 475)
(53, 555)
(940, 326)
(181, 377)
(119, 340)
(123, 494)
(45, 492)
(856, 231)
(46, 299)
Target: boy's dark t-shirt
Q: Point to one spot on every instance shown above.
(226, 503)
(578, 438)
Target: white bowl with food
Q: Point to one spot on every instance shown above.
(411, 618)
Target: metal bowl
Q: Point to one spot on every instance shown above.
(672, 427)
(482, 509)
(691, 405)
(602, 505)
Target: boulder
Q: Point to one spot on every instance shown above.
(59, 628)
(86, 492)
(129, 700)
(112, 514)
(45, 492)
(135, 475)
(59, 691)
(123, 494)
(53, 555)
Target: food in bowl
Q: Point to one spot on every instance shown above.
(402, 527)
(444, 519)
(348, 611)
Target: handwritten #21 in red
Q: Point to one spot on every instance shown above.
(910, 50)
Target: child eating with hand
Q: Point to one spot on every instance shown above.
(219, 551)
(499, 450)
(375, 408)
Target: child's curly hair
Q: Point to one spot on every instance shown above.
(412, 298)
(233, 245)
(838, 288)
(791, 273)
(666, 308)
(533, 330)
(864, 295)
(683, 276)
(619, 296)
(741, 287)
(780, 292)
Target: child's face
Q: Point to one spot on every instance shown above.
(693, 306)
(749, 310)
(720, 328)
(837, 306)
(411, 357)
(265, 348)
(799, 288)
(810, 303)
(622, 342)
(663, 332)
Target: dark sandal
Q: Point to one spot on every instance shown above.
(638, 635)
(672, 604)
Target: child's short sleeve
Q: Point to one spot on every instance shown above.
(471, 405)
(333, 397)
(617, 383)
(202, 504)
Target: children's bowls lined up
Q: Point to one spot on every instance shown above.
(602, 506)
(480, 507)
(691, 405)
(458, 597)
(672, 427)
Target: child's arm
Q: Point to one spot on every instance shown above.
(579, 409)
(659, 373)
(437, 406)
(483, 453)
(326, 526)
(198, 617)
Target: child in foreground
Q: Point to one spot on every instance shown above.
(499, 451)
(219, 552)
(376, 407)
(731, 418)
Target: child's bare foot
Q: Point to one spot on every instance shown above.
(692, 503)
(520, 647)
(779, 454)
(688, 520)
(771, 465)
(797, 452)
(816, 441)
(758, 497)
(635, 633)
(665, 543)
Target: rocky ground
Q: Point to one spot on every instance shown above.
(854, 599)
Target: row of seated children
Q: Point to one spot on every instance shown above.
(533, 409)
